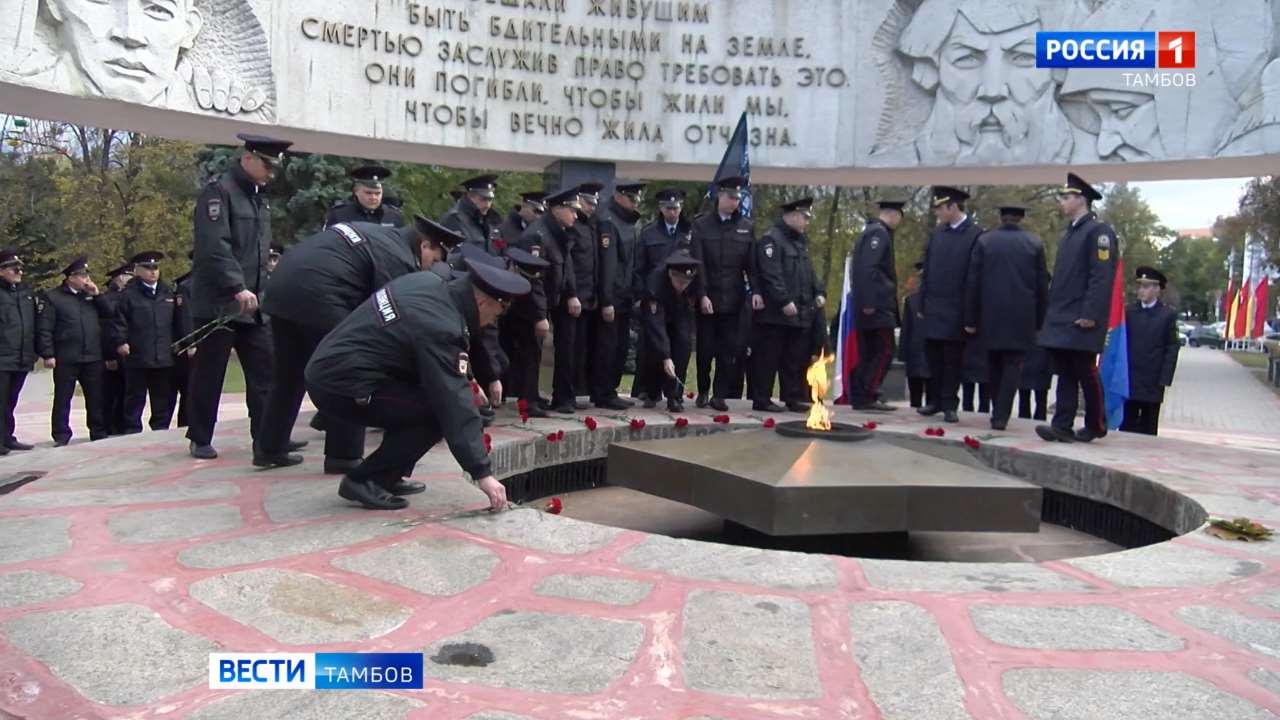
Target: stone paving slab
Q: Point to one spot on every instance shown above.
(968, 577)
(1084, 627)
(1256, 634)
(754, 646)
(532, 529)
(594, 588)
(27, 587)
(284, 543)
(431, 566)
(1165, 565)
(905, 662)
(1115, 695)
(114, 497)
(705, 561)
(329, 705)
(147, 526)
(33, 538)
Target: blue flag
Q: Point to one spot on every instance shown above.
(736, 163)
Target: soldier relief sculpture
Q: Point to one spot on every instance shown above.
(194, 55)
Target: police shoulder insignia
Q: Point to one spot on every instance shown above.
(535, 250)
(214, 208)
(743, 231)
(348, 233)
(653, 307)
(768, 250)
(1104, 241)
(875, 243)
(464, 364)
(1104, 254)
(386, 307)
(604, 241)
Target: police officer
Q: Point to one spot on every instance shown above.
(669, 231)
(1152, 329)
(489, 362)
(1075, 327)
(622, 212)
(321, 281)
(232, 237)
(472, 215)
(518, 332)
(143, 332)
(69, 339)
(783, 342)
(179, 395)
(911, 347)
(1006, 297)
(723, 241)
(18, 308)
(532, 206)
(942, 297)
(273, 257)
(400, 362)
(667, 320)
(595, 260)
(875, 312)
(366, 203)
(112, 373)
(552, 238)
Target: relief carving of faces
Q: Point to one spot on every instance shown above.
(126, 49)
(1128, 126)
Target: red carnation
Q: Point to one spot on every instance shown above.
(590, 422)
(689, 396)
(488, 443)
(770, 422)
(499, 244)
(475, 389)
(637, 424)
(559, 435)
(552, 437)
(523, 406)
(682, 422)
(722, 419)
(554, 506)
(869, 425)
(972, 442)
(524, 417)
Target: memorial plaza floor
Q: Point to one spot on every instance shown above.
(127, 562)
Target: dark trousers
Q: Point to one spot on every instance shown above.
(138, 384)
(565, 339)
(719, 336)
(875, 352)
(946, 359)
(597, 342)
(406, 415)
(179, 395)
(1141, 417)
(979, 391)
(65, 377)
(10, 388)
(524, 347)
(113, 400)
(293, 346)
(651, 378)
(918, 389)
(252, 344)
(780, 350)
(1078, 373)
(621, 347)
(1005, 368)
(1042, 403)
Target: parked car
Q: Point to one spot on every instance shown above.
(1205, 336)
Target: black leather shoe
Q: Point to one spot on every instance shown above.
(951, 416)
(718, 404)
(999, 424)
(770, 407)
(675, 405)
(317, 422)
(3, 451)
(275, 461)
(612, 403)
(799, 407)
(566, 408)
(701, 401)
(404, 487)
(536, 411)
(369, 495)
(929, 410)
(339, 466)
(61, 443)
(15, 445)
(296, 445)
(202, 452)
(1084, 436)
(650, 404)
(627, 403)
(1050, 433)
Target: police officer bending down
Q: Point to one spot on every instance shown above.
(399, 362)
(667, 319)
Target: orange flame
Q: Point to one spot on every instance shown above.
(819, 416)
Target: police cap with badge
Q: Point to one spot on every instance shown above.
(370, 176)
(125, 269)
(78, 266)
(803, 205)
(565, 198)
(1017, 211)
(149, 259)
(681, 262)
(1150, 275)
(481, 185)
(590, 192)
(631, 188)
(1077, 186)
(731, 186)
(536, 200)
(945, 195)
(434, 231)
(9, 258)
(526, 263)
(891, 204)
(496, 282)
(670, 198)
(268, 149)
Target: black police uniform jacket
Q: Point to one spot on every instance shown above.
(656, 245)
(513, 227)
(595, 262)
(232, 239)
(1153, 350)
(664, 313)
(324, 277)
(551, 242)
(465, 218)
(946, 270)
(414, 330)
(17, 327)
(911, 347)
(786, 275)
(69, 327)
(1081, 287)
(182, 298)
(626, 240)
(874, 278)
(1007, 290)
(148, 321)
(726, 250)
(352, 211)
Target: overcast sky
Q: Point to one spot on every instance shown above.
(1190, 204)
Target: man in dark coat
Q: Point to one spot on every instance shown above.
(595, 260)
(400, 362)
(667, 320)
(18, 308)
(69, 339)
(1007, 294)
(875, 300)
(232, 237)
(621, 212)
(783, 331)
(518, 332)
(112, 373)
(143, 331)
(532, 206)
(179, 394)
(911, 347)
(552, 238)
(472, 215)
(723, 240)
(366, 204)
(1075, 328)
(320, 281)
(1152, 328)
(942, 296)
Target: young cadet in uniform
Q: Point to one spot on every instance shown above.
(668, 232)
(551, 238)
(531, 207)
(112, 373)
(595, 260)
(783, 342)
(366, 203)
(69, 338)
(1152, 328)
(942, 294)
(17, 342)
(472, 216)
(400, 362)
(875, 313)
(911, 348)
(1007, 295)
(666, 321)
(232, 237)
(622, 212)
(321, 281)
(1075, 328)
(145, 326)
(518, 332)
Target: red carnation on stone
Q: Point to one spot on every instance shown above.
(552, 437)
(682, 422)
(770, 422)
(554, 506)
(972, 442)
(523, 406)
(870, 425)
(524, 417)
(590, 422)
(488, 443)
(637, 424)
(688, 396)
(559, 435)
(722, 419)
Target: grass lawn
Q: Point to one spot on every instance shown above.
(1256, 363)
(233, 382)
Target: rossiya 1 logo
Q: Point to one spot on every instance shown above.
(1123, 50)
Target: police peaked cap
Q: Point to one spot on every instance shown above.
(497, 283)
(1150, 273)
(267, 148)
(474, 253)
(437, 232)
(566, 198)
(629, 187)
(147, 258)
(734, 182)
(670, 197)
(891, 204)
(536, 198)
(591, 191)
(801, 205)
(1077, 186)
(370, 175)
(276, 249)
(1014, 210)
(9, 256)
(482, 185)
(78, 265)
(125, 269)
(943, 194)
(681, 260)
(526, 260)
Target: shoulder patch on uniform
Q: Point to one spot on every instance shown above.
(604, 241)
(386, 307)
(1104, 241)
(535, 250)
(653, 307)
(464, 364)
(875, 243)
(743, 231)
(768, 250)
(348, 233)
(213, 208)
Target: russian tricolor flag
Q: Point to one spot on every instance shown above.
(847, 337)
(1113, 368)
